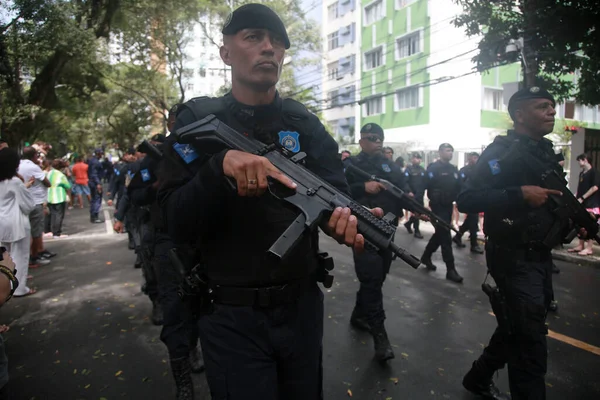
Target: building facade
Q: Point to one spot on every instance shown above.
(415, 77)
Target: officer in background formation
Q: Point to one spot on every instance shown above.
(262, 333)
(117, 188)
(179, 330)
(95, 174)
(416, 178)
(371, 267)
(471, 222)
(517, 223)
(442, 188)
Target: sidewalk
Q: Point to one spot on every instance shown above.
(562, 254)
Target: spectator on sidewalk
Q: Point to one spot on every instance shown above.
(29, 168)
(16, 204)
(57, 198)
(80, 170)
(588, 195)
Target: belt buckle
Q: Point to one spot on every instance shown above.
(263, 297)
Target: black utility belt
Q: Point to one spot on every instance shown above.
(263, 297)
(535, 251)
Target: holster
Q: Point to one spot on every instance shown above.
(499, 307)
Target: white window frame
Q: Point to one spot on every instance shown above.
(330, 8)
(330, 39)
(380, 49)
(419, 98)
(373, 4)
(400, 4)
(372, 98)
(420, 37)
(495, 92)
(333, 71)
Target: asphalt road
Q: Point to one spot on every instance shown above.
(86, 334)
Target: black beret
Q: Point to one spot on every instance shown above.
(416, 155)
(534, 92)
(373, 129)
(256, 16)
(473, 154)
(560, 157)
(445, 146)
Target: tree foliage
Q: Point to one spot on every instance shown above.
(560, 38)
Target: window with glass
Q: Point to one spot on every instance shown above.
(373, 106)
(409, 45)
(407, 98)
(374, 12)
(374, 58)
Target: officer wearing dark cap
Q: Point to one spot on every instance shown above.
(179, 328)
(416, 178)
(372, 267)
(95, 174)
(471, 222)
(443, 186)
(262, 334)
(518, 225)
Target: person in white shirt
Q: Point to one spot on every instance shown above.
(16, 203)
(29, 168)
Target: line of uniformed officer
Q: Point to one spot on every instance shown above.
(416, 178)
(471, 222)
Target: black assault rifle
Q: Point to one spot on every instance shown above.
(313, 196)
(151, 150)
(406, 201)
(565, 206)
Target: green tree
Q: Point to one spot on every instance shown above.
(559, 38)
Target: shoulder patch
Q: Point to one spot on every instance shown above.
(145, 175)
(186, 152)
(386, 168)
(430, 175)
(494, 166)
(290, 141)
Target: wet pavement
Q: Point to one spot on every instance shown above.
(86, 334)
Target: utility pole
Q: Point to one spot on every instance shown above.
(528, 54)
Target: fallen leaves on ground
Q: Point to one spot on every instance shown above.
(395, 380)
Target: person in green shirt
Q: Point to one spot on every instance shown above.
(57, 198)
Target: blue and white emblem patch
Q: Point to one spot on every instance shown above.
(186, 152)
(494, 166)
(290, 141)
(145, 175)
(430, 175)
(386, 168)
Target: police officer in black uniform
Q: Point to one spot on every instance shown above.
(517, 223)
(416, 178)
(180, 330)
(471, 222)
(442, 188)
(262, 335)
(372, 267)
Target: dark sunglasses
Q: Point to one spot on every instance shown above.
(373, 139)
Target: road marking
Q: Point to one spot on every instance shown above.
(107, 219)
(569, 340)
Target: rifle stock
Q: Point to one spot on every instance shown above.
(407, 201)
(314, 197)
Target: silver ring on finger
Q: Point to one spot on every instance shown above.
(252, 182)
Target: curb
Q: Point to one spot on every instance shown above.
(580, 260)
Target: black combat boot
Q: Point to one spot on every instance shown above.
(383, 348)
(452, 275)
(157, 313)
(407, 225)
(457, 239)
(358, 321)
(479, 382)
(426, 260)
(183, 378)
(475, 248)
(196, 360)
(418, 234)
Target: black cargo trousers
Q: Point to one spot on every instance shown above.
(371, 270)
(524, 276)
(265, 351)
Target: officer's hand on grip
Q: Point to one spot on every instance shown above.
(537, 196)
(373, 187)
(342, 226)
(250, 172)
